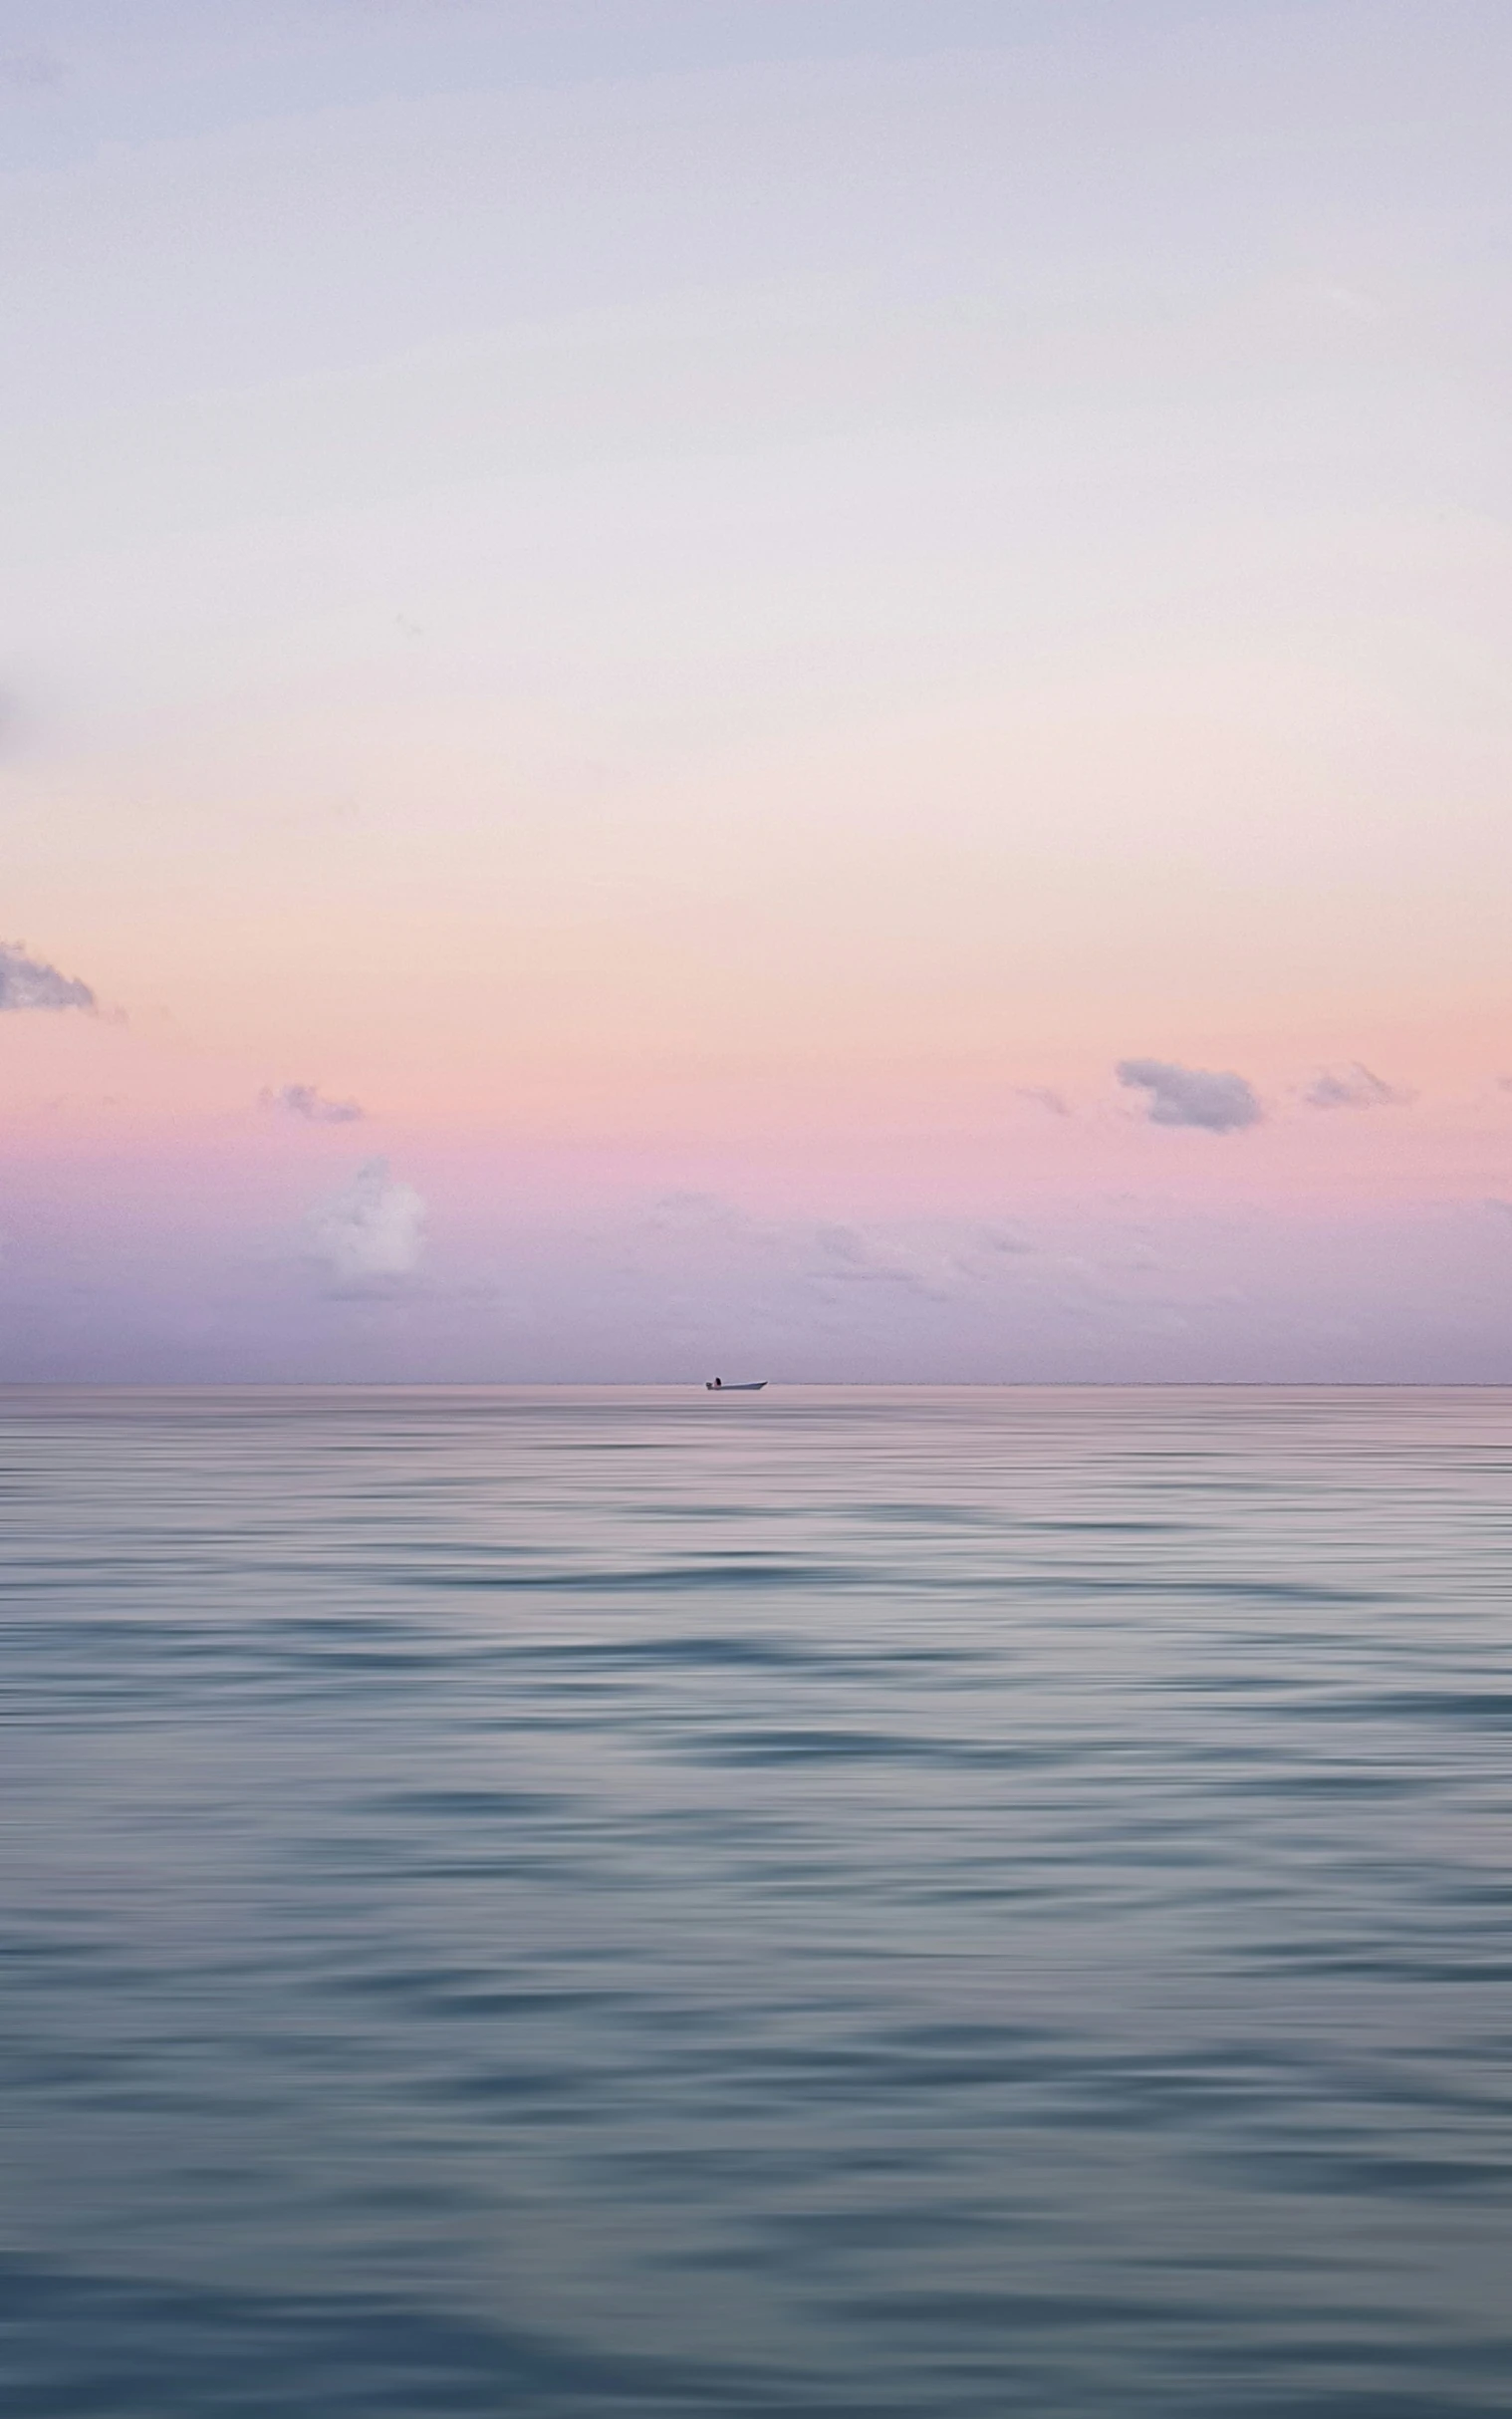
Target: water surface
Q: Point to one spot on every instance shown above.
(584, 1903)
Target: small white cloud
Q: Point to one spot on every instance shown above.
(371, 1233)
(1353, 1088)
(309, 1102)
(1192, 1096)
(28, 982)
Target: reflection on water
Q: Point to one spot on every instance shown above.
(945, 1903)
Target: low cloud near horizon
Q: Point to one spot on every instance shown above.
(1353, 1088)
(1217, 1103)
(30, 982)
(371, 1234)
(309, 1103)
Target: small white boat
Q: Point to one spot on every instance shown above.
(746, 1385)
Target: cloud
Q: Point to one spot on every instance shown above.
(307, 1101)
(30, 71)
(698, 1213)
(1003, 1240)
(1351, 302)
(1353, 1088)
(371, 1235)
(28, 983)
(1191, 1096)
(710, 1250)
(1044, 1097)
(848, 1256)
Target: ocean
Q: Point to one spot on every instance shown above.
(587, 1902)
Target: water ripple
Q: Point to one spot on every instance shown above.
(893, 1905)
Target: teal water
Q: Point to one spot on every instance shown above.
(584, 1903)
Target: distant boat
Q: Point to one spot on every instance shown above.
(746, 1385)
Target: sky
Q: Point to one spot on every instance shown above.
(810, 688)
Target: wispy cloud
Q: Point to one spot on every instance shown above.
(309, 1103)
(1350, 302)
(1044, 1097)
(937, 1266)
(698, 1214)
(28, 982)
(1353, 1088)
(29, 72)
(846, 1256)
(369, 1237)
(1002, 1242)
(1218, 1103)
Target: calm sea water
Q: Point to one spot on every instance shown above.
(588, 1903)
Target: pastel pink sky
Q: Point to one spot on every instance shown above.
(714, 615)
